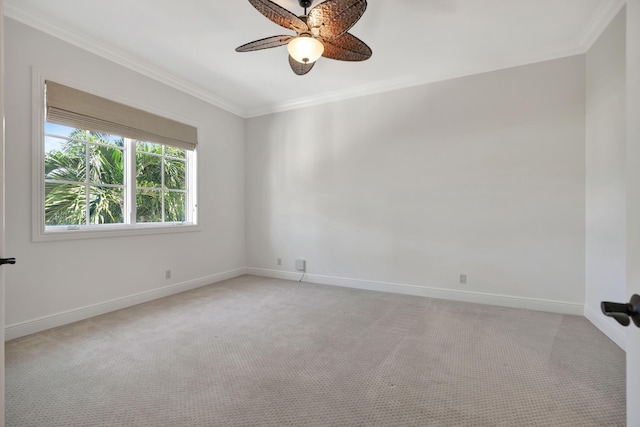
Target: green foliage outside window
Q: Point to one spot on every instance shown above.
(68, 197)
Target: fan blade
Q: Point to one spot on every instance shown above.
(335, 17)
(279, 15)
(300, 68)
(347, 47)
(267, 43)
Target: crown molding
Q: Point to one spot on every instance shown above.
(114, 55)
(599, 22)
(601, 18)
(408, 82)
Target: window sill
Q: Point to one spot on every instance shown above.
(107, 231)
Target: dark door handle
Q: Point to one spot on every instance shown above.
(623, 313)
(4, 261)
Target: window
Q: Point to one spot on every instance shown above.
(84, 177)
(94, 179)
(161, 191)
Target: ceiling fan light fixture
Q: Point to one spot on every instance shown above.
(305, 49)
(323, 31)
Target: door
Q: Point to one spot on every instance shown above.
(633, 204)
(2, 251)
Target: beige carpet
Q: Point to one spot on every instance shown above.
(262, 352)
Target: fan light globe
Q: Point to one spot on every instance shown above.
(305, 49)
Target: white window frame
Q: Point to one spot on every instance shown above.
(41, 232)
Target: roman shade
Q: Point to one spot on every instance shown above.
(72, 107)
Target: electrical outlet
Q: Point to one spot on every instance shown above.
(279, 261)
(301, 264)
(167, 274)
(463, 279)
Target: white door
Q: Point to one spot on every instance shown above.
(633, 205)
(2, 252)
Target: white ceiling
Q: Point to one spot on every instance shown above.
(189, 44)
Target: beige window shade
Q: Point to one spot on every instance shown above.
(72, 107)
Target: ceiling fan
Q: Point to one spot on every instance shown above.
(321, 32)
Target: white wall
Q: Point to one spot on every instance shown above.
(482, 175)
(605, 177)
(56, 277)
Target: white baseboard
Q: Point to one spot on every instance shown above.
(607, 326)
(17, 330)
(450, 294)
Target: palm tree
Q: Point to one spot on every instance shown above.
(151, 161)
(66, 203)
(67, 192)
